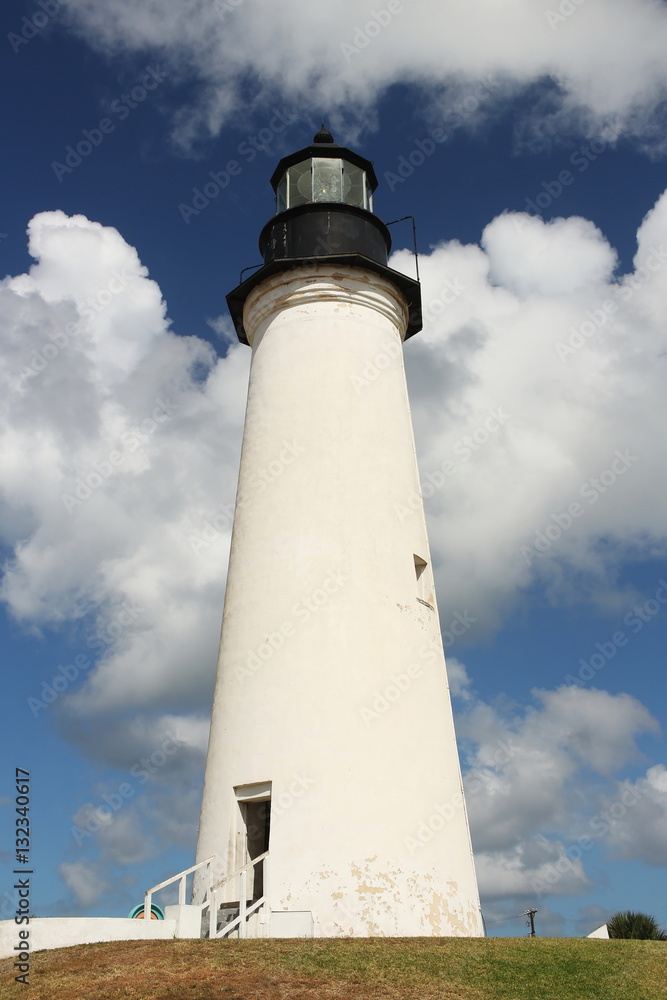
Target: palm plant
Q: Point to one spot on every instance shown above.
(627, 924)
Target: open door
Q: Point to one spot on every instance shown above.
(254, 829)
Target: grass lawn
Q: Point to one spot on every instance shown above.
(406, 968)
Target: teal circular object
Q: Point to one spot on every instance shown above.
(157, 913)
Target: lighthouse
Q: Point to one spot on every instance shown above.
(333, 802)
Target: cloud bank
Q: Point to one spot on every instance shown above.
(593, 63)
(536, 393)
(542, 794)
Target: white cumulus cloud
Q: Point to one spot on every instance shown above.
(637, 817)
(86, 880)
(541, 789)
(601, 62)
(536, 392)
(120, 453)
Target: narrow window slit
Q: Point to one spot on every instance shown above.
(425, 590)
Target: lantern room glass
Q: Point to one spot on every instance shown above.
(327, 179)
(281, 194)
(323, 179)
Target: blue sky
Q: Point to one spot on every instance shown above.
(531, 144)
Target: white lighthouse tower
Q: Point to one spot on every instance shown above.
(332, 800)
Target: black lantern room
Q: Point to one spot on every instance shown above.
(324, 213)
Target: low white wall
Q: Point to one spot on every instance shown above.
(187, 919)
(61, 932)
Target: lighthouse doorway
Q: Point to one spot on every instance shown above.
(253, 834)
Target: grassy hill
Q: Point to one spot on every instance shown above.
(376, 968)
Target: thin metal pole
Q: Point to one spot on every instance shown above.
(414, 237)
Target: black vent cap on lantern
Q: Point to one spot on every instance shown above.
(324, 135)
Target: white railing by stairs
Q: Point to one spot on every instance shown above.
(213, 896)
(181, 886)
(259, 905)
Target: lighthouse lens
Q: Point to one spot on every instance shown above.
(304, 185)
(323, 179)
(327, 179)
